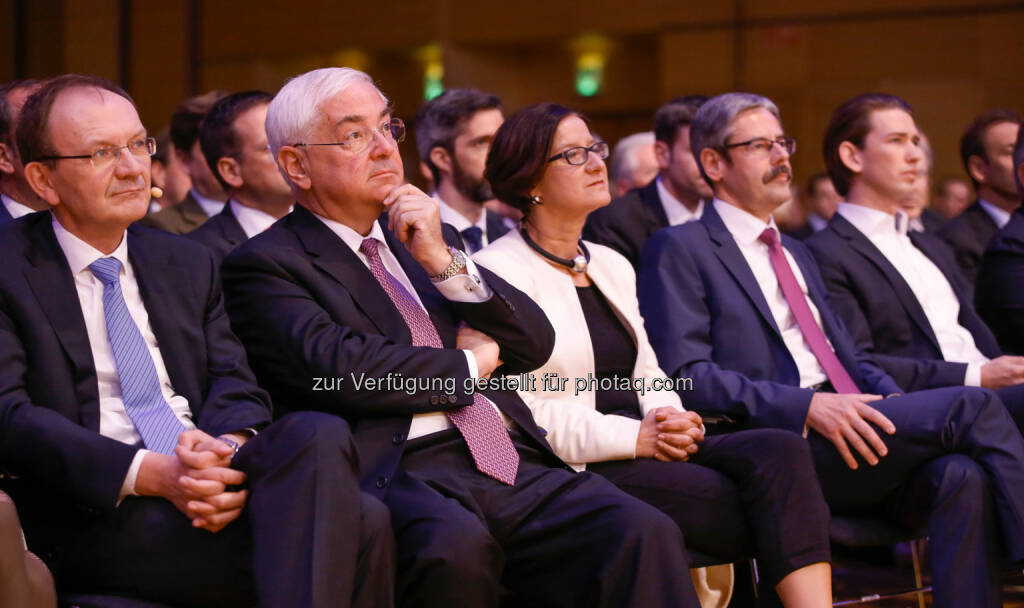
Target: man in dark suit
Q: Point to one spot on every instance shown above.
(234, 142)
(142, 454)
(986, 149)
(16, 197)
(205, 198)
(345, 314)
(675, 197)
(1000, 289)
(747, 318)
(453, 135)
(899, 292)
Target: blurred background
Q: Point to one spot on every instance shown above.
(616, 61)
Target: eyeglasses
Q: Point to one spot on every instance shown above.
(356, 141)
(580, 154)
(104, 157)
(763, 145)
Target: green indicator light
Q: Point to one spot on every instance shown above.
(588, 82)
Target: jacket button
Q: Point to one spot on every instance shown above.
(434, 400)
(382, 482)
(397, 438)
(543, 431)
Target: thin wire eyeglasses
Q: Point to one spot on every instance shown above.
(763, 145)
(104, 157)
(357, 140)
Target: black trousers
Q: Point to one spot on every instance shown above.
(555, 538)
(1013, 398)
(307, 536)
(745, 494)
(968, 502)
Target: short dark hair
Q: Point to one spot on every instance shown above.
(851, 122)
(674, 115)
(438, 121)
(519, 152)
(189, 116)
(813, 180)
(217, 135)
(33, 125)
(6, 113)
(973, 141)
(163, 147)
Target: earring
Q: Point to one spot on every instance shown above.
(535, 199)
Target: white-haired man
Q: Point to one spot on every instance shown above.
(332, 298)
(634, 163)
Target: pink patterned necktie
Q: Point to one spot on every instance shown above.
(837, 375)
(480, 424)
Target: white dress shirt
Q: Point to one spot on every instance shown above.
(999, 216)
(114, 420)
(469, 287)
(930, 287)
(210, 206)
(676, 212)
(15, 208)
(253, 221)
(450, 216)
(746, 229)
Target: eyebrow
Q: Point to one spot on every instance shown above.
(104, 142)
(358, 118)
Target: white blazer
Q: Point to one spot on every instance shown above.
(576, 430)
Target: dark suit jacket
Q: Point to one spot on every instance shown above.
(49, 404)
(883, 314)
(627, 222)
(968, 234)
(932, 220)
(1000, 290)
(306, 307)
(182, 218)
(708, 320)
(5, 215)
(221, 234)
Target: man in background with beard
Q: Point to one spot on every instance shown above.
(453, 136)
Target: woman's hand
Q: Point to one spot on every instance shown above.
(667, 434)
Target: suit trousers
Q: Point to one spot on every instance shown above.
(1013, 398)
(746, 494)
(554, 538)
(306, 537)
(916, 483)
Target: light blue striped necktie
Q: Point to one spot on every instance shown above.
(140, 386)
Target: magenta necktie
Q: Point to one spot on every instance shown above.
(837, 375)
(480, 424)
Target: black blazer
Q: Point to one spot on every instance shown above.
(968, 234)
(221, 234)
(1000, 290)
(627, 222)
(5, 215)
(307, 309)
(882, 312)
(932, 220)
(708, 320)
(49, 404)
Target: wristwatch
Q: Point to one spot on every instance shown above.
(458, 263)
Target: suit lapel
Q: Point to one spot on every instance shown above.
(865, 248)
(191, 213)
(731, 257)
(496, 227)
(5, 215)
(334, 257)
(230, 229)
(652, 205)
(54, 287)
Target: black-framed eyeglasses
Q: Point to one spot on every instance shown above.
(763, 145)
(357, 140)
(580, 154)
(104, 157)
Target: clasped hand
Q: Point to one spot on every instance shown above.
(195, 479)
(667, 434)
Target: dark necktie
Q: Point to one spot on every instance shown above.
(474, 238)
(835, 371)
(479, 423)
(140, 385)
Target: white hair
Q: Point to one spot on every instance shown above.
(295, 109)
(624, 159)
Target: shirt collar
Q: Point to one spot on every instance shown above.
(352, 238)
(210, 206)
(80, 254)
(744, 227)
(15, 208)
(252, 220)
(872, 222)
(450, 216)
(999, 216)
(676, 212)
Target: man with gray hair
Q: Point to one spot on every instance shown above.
(453, 136)
(381, 321)
(1000, 289)
(745, 314)
(675, 197)
(633, 163)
